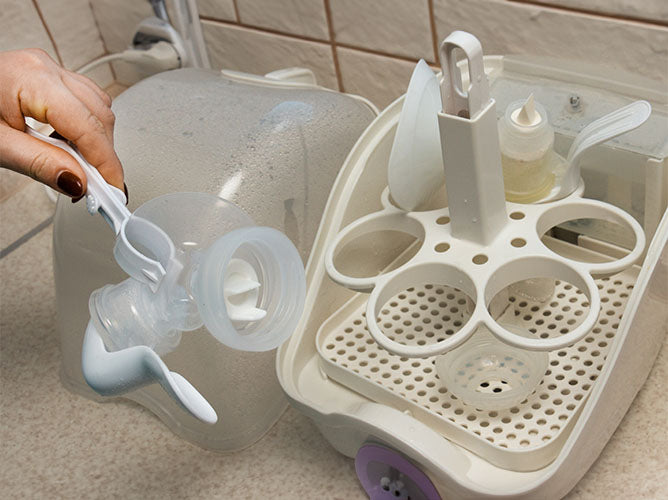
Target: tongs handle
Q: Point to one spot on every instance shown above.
(110, 201)
(100, 196)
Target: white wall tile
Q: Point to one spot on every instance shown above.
(299, 17)
(652, 10)
(220, 9)
(254, 51)
(398, 27)
(73, 29)
(378, 78)
(22, 28)
(118, 19)
(517, 28)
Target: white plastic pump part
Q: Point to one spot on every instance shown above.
(415, 168)
(244, 283)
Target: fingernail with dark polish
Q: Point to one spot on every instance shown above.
(74, 200)
(70, 184)
(56, 135)
(127, 196)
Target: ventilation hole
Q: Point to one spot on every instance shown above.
(518, 242)
(441, 221)
(480, 259)
(517, 215)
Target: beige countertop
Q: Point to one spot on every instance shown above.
(54, 444)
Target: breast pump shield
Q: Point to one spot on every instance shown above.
(244, 283)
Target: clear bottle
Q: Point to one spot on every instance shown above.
(526, 139)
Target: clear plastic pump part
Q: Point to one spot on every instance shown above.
(244, 283)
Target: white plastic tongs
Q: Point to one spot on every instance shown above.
(110, 201)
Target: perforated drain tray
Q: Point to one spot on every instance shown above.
(525, 437)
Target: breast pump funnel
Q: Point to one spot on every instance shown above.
(221, 262)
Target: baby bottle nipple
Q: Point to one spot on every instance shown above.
(526, 139)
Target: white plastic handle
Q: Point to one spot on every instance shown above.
(455, 100)
(115, 373)
(100, 196)
(110, 203)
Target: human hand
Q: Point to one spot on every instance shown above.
(32, 84)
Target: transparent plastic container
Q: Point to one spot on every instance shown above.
(273, 150)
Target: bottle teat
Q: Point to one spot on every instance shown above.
(526, 116)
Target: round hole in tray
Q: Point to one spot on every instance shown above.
(411, 291)
(364, 253)
(555, 224)
(557, 306)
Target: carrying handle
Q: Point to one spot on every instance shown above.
(110, 201)
(456, 101)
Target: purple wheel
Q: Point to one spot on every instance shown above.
(387, 475)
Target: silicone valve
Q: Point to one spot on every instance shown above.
(250, 288)
(489, 374)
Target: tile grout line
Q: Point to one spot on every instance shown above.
(260, 29)
(48, 31)
(26, 237)
(314, 40)
(236, 12)
(384, 54)
(104, 44)
(332, 39)
(603, 15)
(432, 27)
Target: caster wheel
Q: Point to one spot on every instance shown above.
(387, 475)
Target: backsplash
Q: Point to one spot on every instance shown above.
(365, 47)
(66, 29)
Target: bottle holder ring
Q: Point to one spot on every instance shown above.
(483, 271)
